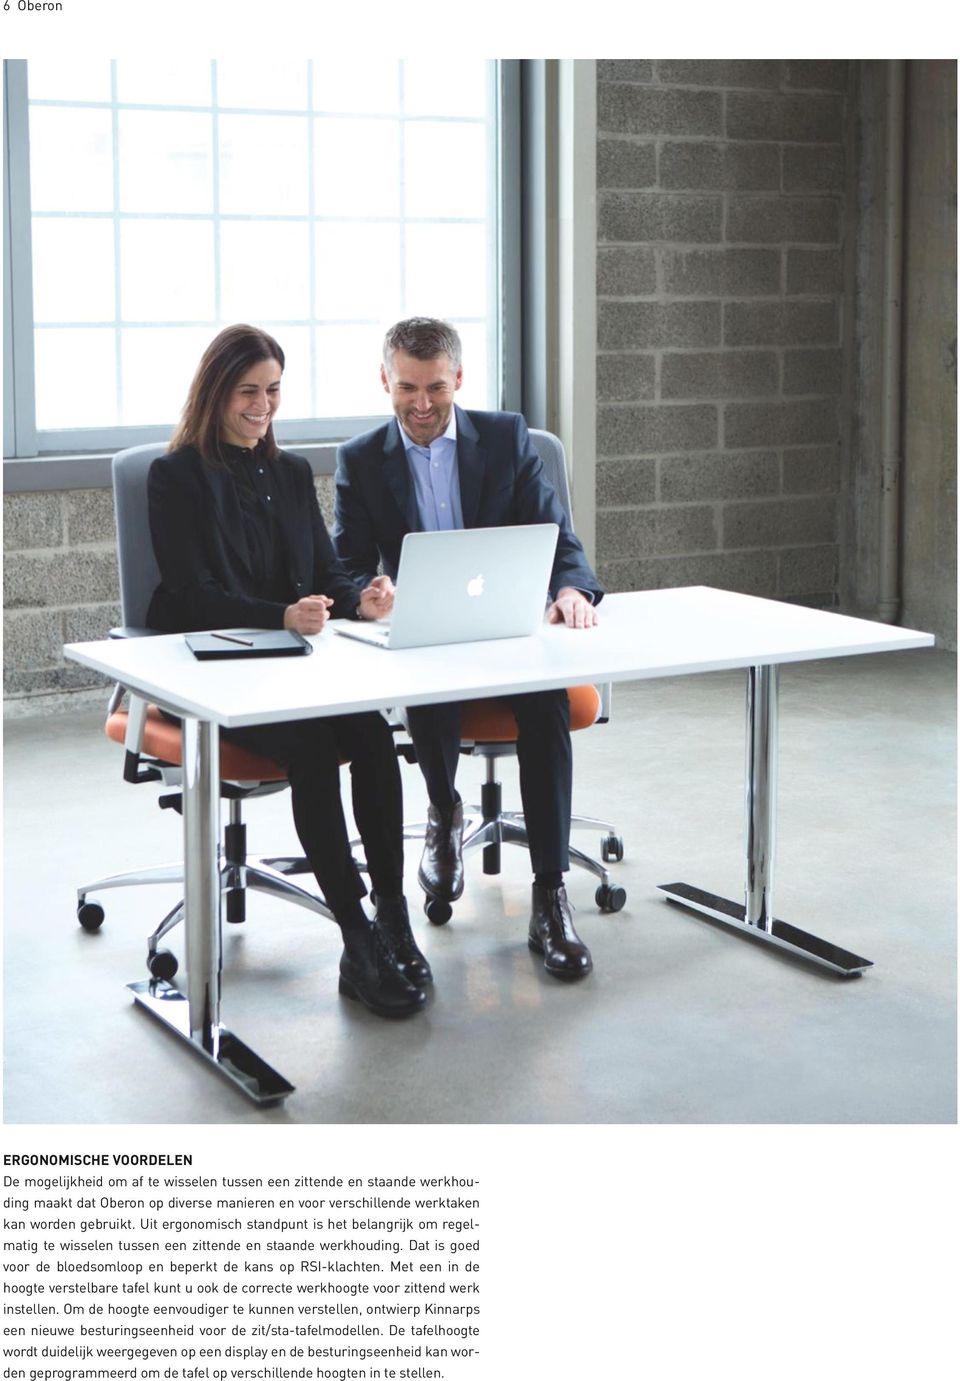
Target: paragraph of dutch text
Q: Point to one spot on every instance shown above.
(172, 1277)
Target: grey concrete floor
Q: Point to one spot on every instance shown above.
(681, 1021)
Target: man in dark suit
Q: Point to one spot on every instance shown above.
(435, 466)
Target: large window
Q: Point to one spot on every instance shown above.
(151, 203)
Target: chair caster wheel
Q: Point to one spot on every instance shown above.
(610, 898)
(438, 912)
(90, 915)
(611, 848)
(162, 964)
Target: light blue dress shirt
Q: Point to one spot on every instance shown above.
(436, 480)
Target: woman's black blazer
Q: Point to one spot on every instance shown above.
(198, 539)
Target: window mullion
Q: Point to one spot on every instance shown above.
(312, 235)
(401, 176)
(117, 247)
(507, 287)
(20, 372)
(215, 172)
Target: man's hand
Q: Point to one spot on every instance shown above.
(573, 609)
(308, 615)
(376, 600)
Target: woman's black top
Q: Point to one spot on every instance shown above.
(255, 483)
(238, 541)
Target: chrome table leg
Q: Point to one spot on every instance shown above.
(195, 1015)
(755, 916)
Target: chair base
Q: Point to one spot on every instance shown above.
(257, 874)
(508, 827)
(488, 826)
(238, 875)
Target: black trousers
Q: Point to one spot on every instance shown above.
(546, 767)
(311, 751)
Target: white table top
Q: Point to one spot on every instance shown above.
(641, 635)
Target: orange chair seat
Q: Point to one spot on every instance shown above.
(492, 721)
(482, 721)
(161, 739)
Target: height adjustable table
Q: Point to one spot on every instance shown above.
(640, 636)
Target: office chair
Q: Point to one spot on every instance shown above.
(153, 750)
(489, 731)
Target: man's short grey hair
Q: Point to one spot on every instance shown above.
(423, 337)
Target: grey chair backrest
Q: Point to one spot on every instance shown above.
(550, 450)
(139, 572)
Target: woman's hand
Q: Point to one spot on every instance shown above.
(308, 615)
(376, 600)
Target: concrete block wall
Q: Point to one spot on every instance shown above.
(720, 209)
(60, 585)
(929, 552)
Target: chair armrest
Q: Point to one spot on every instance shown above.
(136, 720)
(606, 696)
(133, 743)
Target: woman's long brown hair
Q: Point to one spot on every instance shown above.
(225, 360)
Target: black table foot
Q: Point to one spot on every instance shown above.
(781, 934)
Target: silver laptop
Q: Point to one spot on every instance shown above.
(466, 586)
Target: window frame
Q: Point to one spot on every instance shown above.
(68, 453)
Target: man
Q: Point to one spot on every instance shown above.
(435, 467)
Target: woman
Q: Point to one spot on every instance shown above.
(239, 540)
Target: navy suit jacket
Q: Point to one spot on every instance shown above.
(198, 539)
(502, 483)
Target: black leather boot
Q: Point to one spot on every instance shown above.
(370, 974)
(393, 921)
(552, 934)
(441, 867)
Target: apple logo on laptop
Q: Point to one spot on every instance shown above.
(475, 586)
